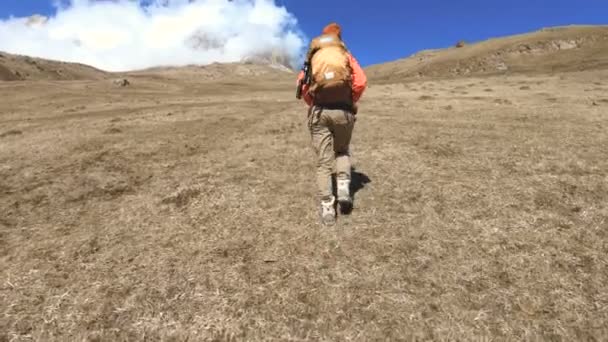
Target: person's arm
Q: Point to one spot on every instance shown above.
(359, 79)
(305, 87)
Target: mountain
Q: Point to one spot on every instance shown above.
(19, 68)
(550, 50)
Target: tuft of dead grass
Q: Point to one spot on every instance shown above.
(113, 130)
(11, 132)
(182, 197)
(503, 101)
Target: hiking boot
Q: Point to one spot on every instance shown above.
(344, 199)
(328, 212)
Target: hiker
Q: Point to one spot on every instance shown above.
(336, 83)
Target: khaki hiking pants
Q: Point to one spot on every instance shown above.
(331, 131)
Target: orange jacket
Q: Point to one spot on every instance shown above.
(358, 77)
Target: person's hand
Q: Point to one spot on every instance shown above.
(355, 108)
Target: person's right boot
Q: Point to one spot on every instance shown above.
(344, 199)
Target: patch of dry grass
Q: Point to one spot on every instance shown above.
(113, 130)
(475, 221)
(503, 101)
(11, 132)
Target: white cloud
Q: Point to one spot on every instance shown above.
(120, 35)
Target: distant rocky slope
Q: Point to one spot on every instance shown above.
(549, 50)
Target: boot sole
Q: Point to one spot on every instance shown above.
(328, 223)
(346, 206)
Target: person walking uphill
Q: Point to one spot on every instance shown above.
(331, 83)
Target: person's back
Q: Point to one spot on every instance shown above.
(337, 82)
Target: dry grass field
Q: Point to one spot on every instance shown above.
(182, 208)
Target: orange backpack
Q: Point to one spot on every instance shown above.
(331, 81)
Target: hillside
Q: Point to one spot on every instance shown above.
(559, 49)
(16, 68)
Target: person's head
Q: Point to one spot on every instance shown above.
(334, 29)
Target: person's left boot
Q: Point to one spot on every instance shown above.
(328, 211)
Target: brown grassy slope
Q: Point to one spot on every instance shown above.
(17, 67)
(180, 209)
(550, 50)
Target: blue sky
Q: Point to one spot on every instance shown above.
(384, 30)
